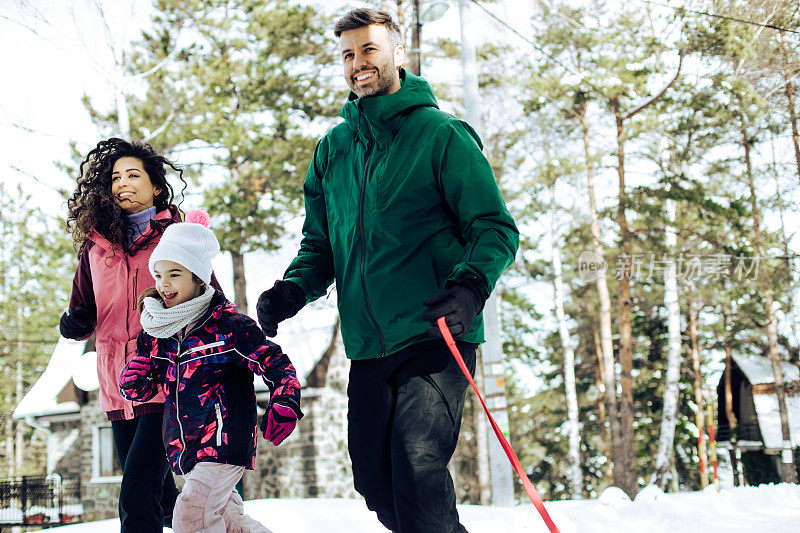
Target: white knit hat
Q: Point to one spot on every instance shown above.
(190, 244)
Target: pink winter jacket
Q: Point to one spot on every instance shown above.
(107, 283)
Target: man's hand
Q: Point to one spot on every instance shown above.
(278, 422)
(277, 304)
(459, 304)
(76, 323)
(135, 372)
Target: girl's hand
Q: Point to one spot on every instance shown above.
(278, 422)
(135, 372)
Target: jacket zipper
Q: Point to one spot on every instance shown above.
(219, 424)
(178, 409)
(135, 283)
(177, 388)
(370, 148)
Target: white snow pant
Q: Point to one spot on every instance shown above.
(209, 502)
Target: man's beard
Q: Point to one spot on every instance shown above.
(382, 84)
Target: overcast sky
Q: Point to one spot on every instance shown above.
(53, 54)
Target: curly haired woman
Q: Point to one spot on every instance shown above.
(117, 215)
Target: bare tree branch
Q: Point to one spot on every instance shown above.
(658, 97)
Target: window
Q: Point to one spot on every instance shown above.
(104, 456)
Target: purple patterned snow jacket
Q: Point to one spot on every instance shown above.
(207, 381)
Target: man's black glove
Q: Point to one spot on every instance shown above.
(76, 323)
(280, 302)
(459, 305)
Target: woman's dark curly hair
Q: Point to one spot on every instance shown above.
(93, 207)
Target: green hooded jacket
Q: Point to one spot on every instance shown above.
(400, 202)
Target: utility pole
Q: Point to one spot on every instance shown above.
(493, 384)
(416, 32)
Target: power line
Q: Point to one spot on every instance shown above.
(521, 36)
(724, 17)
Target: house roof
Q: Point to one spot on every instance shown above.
(42, 398)
(758, 370)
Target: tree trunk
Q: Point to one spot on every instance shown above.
(789, 471)
(626, 475)
(239, 283)
(789, 91)
(575, 476)
(20, 425)
(728, 392)
(792, 312)
(699, 416)
(482, 440)
(606, 343)
(670, 409)
(9, 436)
(401, 15)
(601, 404)
(728, 388)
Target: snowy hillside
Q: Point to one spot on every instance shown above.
(772, 508)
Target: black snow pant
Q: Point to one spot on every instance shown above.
(404, 416)
(147, 495)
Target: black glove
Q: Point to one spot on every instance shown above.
(277, 304)
(459, 304)
(76, 323)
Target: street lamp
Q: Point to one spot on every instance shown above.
(434, 11)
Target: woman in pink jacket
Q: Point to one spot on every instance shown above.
(117, 214)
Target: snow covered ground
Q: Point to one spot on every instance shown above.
(767, 508)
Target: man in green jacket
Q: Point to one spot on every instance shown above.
(403, 213)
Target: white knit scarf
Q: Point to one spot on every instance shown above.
(162, 322)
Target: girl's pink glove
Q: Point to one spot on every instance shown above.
(278, 423)
(135, 372)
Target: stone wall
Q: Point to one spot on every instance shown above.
(313, 462)
(333, 471)
(65, 445)
(99, 499)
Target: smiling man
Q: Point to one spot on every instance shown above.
(404, 215)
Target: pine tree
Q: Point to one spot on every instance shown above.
(36, 264)
(236, 91)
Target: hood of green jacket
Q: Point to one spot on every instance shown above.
(386, 113)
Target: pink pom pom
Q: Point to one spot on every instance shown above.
(198, 216)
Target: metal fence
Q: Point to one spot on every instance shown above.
(40, 500)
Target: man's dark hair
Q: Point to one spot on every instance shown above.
(358, 18)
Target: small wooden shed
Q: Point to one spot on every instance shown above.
(747, 411)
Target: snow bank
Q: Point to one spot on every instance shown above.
(773, 508)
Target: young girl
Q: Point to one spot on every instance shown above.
(117, 214)
(201, 353)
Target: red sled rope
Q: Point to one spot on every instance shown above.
(512, 457)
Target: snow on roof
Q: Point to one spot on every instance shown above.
(769, 419)
(41, 399)
(758, 370)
